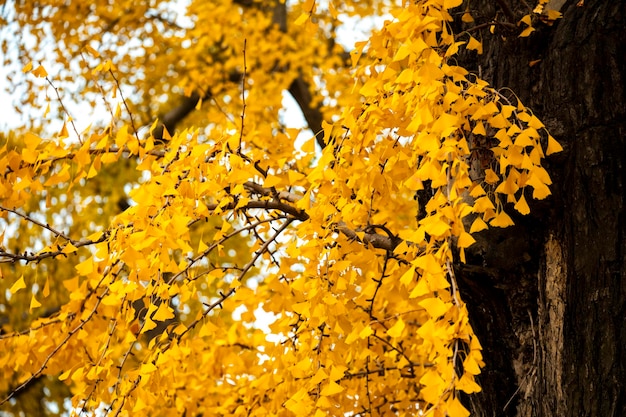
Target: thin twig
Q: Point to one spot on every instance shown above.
(130, 114)
(97, 364)
(207, 251)
(244, 271)
(6, 257)
(67, 113)
(40, 224)
(243, 95)
(533, 368)
(135, 385)
(103, 95)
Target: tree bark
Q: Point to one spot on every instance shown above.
(548, 297)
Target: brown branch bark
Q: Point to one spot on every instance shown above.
(176, 115)
(507, 10)
(376, 240)
(267, 205)
(299, 90)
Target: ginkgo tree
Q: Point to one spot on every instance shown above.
(139, 255)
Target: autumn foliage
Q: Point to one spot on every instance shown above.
(224, 263)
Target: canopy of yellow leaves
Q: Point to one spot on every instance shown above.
(139, 270)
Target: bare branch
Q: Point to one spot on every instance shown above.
(281, 195)
(376, 240)
(267, 205)
(387, 242)
(243, 95)
(130, 114)
(67, 113)
(6, 257)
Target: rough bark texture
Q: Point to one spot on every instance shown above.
(548, 297)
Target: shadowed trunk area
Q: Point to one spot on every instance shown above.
(548, 297)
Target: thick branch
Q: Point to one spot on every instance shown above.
(281, 195)
(176, 115)
(387, 242)
(299, 89)
(376, 240)
(279, 15)
(268, 205)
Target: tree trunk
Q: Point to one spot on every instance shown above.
(548, 297)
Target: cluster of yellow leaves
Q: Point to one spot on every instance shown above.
(155, 309)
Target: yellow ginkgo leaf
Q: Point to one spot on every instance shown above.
(450, 4)
(408, 276)
(28, 67)
(18, 285)
(501, 220)
(147, 326)
(301, 19)
(456, 409)
(475, 45)
(65, 375)
(465, 240)
(470, 364)
(522, 205)
(435, 307)
(331, 389)
(540, 189)
(164, 312)
(63, 132)
(40, 72)
(319, 376)
(31, 140)
(46, 288)
(396, 329)
(148, 368)
(467, 384)
(433, 384)
(554, 14)
(34, 303)
(553, 146)
(467, 17)
(526, 32)
(69, 248)
(139, 405)
(367, 331)
(86, 267)
(337, 372)
(491, 177)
